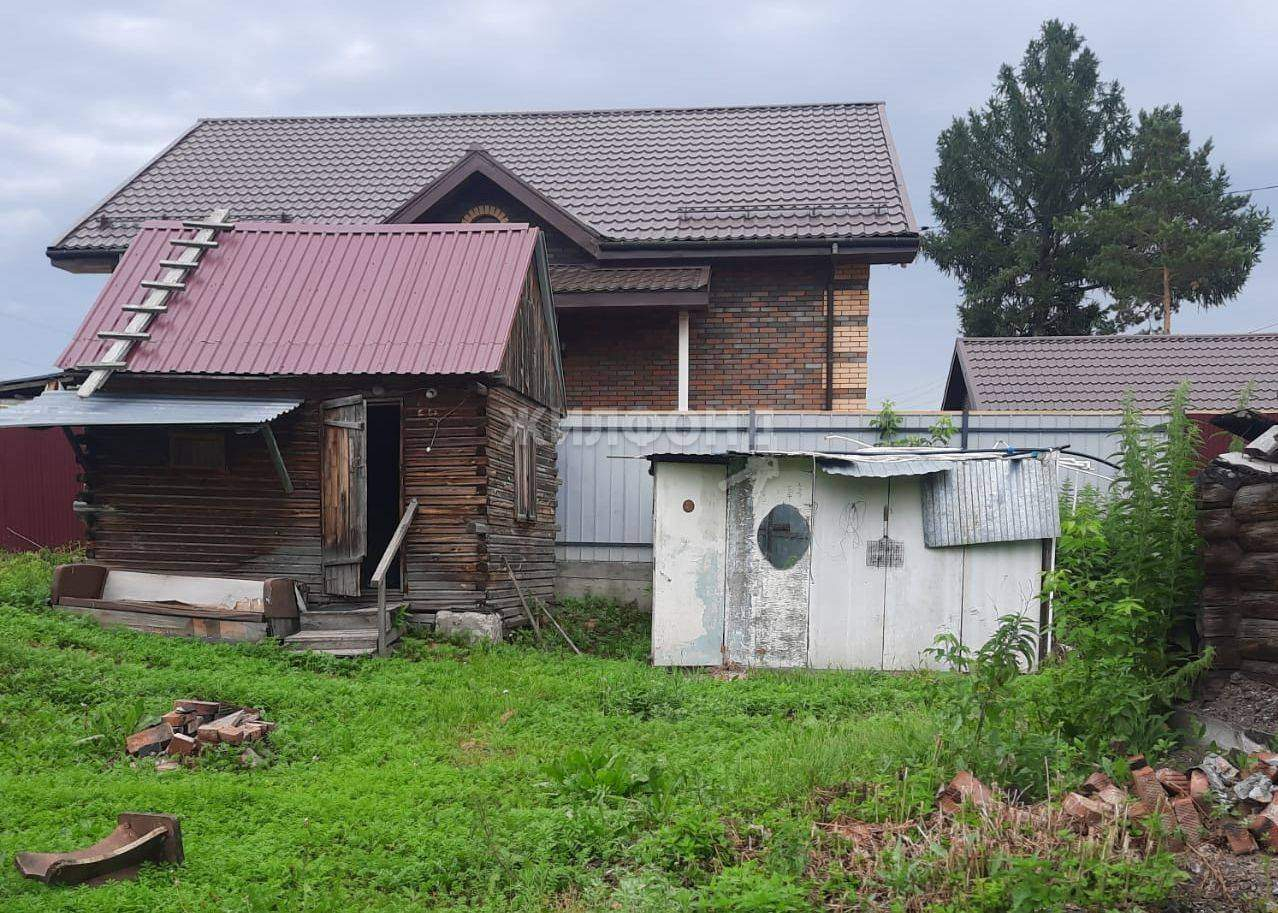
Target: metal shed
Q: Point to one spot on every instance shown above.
(785, 559)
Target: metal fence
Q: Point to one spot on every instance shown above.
(605, 495)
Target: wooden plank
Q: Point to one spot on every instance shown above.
(344, 515)
(277, 459)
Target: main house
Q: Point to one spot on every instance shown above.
(714, 258)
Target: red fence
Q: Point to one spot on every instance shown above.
(37, 487)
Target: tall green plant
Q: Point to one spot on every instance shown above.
(1149, 520)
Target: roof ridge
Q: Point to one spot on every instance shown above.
(358, 228)
(565, 112)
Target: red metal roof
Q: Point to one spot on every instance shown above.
(291, 298)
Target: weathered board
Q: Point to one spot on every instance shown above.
(766, 616)
(688, 587)
(344, 493)
(846, 622)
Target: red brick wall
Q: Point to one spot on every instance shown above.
(624, 358)
(760, 343)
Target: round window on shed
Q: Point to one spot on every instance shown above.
(784, 536)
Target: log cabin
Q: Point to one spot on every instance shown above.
(356, 409)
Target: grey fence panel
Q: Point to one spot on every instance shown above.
(605, 494)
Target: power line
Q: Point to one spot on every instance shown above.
(1255, 189)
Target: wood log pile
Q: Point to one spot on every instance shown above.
(1238, 521)
(193, 725)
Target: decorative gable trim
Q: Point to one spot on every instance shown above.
(478, 161)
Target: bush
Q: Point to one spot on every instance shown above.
(25, 576)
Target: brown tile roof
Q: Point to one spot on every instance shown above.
(570, 279)
(1096, 372)
(708, 174)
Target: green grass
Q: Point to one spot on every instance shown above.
(445, 778)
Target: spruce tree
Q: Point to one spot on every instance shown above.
(1177, 234)
(1049, 143)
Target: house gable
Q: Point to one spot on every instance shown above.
(477, 162)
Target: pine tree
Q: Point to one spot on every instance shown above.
(1177, 234)
(1049, 143)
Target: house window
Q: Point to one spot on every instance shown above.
(485, 213)
(197, 450)
(783, 536)
(525, 474)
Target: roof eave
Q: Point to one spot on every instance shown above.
(85, 260)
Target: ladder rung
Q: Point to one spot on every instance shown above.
(103, 366)
(162, 285)
(144, 308)
(123, 334)
(193, 242)
(179, 264)
(212, 226)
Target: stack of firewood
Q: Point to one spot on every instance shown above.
(191, 725)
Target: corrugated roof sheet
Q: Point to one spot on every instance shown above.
(55, 408)
(570, 279)
(289, 298)
(1096, 372)
(998, 500)
(785, 171)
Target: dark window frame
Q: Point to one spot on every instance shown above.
(525, 474)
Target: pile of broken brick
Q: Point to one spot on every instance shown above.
(184, 731)
(1213, 803)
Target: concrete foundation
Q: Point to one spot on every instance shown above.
(622, 581)
(472, 626)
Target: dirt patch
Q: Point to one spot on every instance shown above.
(1224, 883)
(1241, 701)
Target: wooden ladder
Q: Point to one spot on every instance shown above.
(156, 302)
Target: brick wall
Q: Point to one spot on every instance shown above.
(851, 335)
(624, 358)
(760, 343)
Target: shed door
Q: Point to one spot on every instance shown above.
(344, 493)
(688, 543)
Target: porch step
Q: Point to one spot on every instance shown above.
(360, 618)
(338, 641)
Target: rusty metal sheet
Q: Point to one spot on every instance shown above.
(1003, 500)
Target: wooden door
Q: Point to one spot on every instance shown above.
(344, 493)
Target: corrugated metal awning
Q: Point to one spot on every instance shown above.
(866, 467)
(55, 408)
(1000, 500)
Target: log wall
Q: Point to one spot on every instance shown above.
(1238, 520)
(238, 522)
(528, 545)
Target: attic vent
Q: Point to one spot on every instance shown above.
(885, 552)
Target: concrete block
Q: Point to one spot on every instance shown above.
(473, 626)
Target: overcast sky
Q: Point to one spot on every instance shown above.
(91, 91)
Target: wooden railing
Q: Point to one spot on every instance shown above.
(379, 576)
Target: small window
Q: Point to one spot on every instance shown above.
(197, 450)
(525, 474)
(783, 536)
